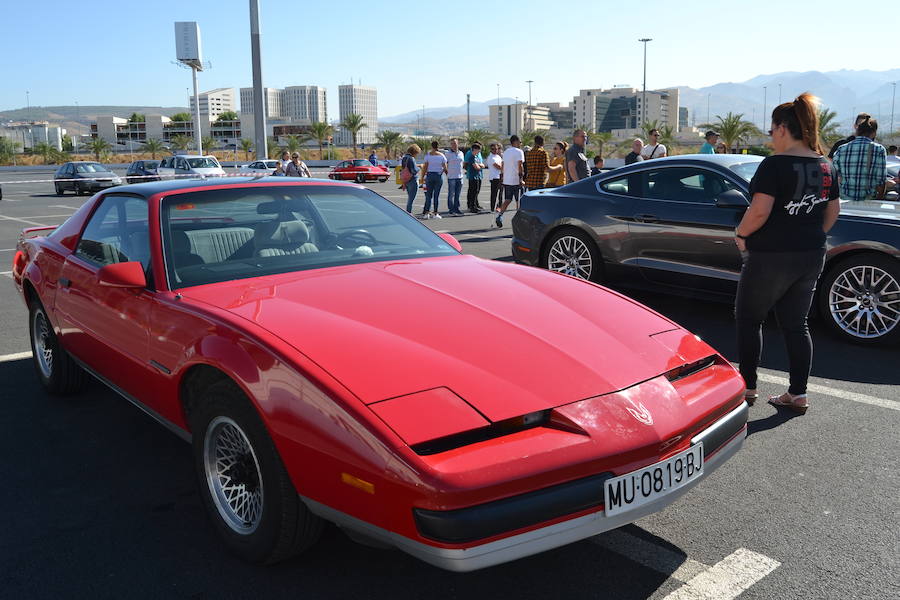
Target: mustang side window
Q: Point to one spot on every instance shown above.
(117, 232)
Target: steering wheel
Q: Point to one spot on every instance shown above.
(356, 237)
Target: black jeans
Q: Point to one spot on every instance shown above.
(786, 282)
(472, 193)
(496, 199)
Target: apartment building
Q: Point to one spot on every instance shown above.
(512, 119)
(621, 110)
(273, 98)
(215, 102)
(305, 103)
(361, 100)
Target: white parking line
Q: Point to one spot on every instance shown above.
(61, 206)
(652, 556)
(26, 221)
(728, 578)
(16, 356)
(835, 393)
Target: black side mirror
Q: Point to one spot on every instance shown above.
(732, 199)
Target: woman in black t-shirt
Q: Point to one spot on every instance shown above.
(782, 239)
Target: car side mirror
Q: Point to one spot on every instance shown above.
(732, 199)
(123, 275)
(451, 240)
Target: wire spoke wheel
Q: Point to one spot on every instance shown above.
(864, 301)
(570, 255)
(43, 343)
(233, 474)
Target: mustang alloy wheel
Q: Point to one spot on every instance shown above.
(860, 298)
(571, 252)
(57, 371)
(244, 486)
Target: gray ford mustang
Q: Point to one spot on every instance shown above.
(668, 224)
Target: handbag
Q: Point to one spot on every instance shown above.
(406, 173)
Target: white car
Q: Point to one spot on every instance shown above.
(259, 167)
(189, 165)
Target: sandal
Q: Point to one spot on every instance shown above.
(799, 403)
(750, 397)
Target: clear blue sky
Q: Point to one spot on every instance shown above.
(101, 52)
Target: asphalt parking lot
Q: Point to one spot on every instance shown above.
(102, 502)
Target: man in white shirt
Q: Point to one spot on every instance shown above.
(494, 164)
(455, 160)
(513, 170)
(653, 149)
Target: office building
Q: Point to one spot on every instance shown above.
(273, 99)
(215, 102)
(512, 119)
(361, 100)
(620, 110)
(305, 103)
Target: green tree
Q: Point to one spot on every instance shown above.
(228, 115)
(7, 149)
(667, 137)
(45, 150)
(99, 146)
(273, 147)
(391, 141)
(181, 142)
(137, 118)
(293, 143)
(246, 147)
(208, 142)
(354, 123)
(483, 136)
(828, 127)
(67, 144)
(649, 126)
(424, 143)
(733, 129)
(320, 132)
(603, 141)
(153, 146)
(182, 116)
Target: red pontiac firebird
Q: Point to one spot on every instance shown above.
(360, 171)
(330, 358)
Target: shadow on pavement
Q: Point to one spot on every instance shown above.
(105, 503)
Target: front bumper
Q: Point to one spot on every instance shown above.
(723, 438)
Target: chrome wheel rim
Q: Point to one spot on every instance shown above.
(233, 475)
(864, 301)
(43, 347)
(571, 256)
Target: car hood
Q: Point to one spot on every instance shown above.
(506, 338)
(208, 171)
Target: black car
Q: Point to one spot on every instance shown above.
(668, 224)
(142, 170)
(83, 176)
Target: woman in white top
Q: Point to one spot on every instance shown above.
(653, 149)
(434, 168)
(494, 164)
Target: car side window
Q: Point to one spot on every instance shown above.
(629, 185)
(118, 231)
(180, 164)
(686, 184)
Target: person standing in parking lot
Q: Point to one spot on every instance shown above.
(556, 172)
(495, 165)
(536, 164)
(654, 149)
(577, 166)
(782, 239)
(474, 165)
(513, 169)
(455, 160)
(859, 119)
(409, 171)
(861, 164)
(297, 168)
(431, 178)
(709, 146)
(635, 155)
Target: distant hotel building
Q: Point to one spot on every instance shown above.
(361, 100)
(619, 110)
(215, 102)
(273, 99)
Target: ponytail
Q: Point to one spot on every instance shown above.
(801, 117)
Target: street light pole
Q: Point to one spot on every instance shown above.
(764, 109)
(707, 106)
(779, 93)
(259, 103)
(893, 97)
(468, 113)
(529, 82)
(644, 92)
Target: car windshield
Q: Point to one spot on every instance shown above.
(745, 170)
(151, 164)
(271, 164)
(90, 168)
(222, 235)
(361, 163)
(204, 162)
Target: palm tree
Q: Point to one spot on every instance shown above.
(181, 142)
(353, 123)
(483, 136)
(45, 150)
(828, 127)
(228, 115)
(649, 126)
(246, 147)
(733, 129)
(98, 146)
(603, 141)
(208, 142)
(321, 131)
(667, 137)
(7, 149)
(153, 146)
(526, 136)
(424, 143)
(390, 141)
(182, 116)
(293, 143)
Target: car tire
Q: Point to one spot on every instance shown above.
(360, 178)
(264, 521)
(59, 190)
(78, 191)
(382, 180)
(857, 298)
(569, 246)
(57, 371)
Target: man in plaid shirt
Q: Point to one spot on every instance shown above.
(537, 163)
(861, 164)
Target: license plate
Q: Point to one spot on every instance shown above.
(632, 490)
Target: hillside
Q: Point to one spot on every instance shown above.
(77, 119)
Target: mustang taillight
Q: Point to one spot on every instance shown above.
(18, 262)
(494, 430)
(690, 368)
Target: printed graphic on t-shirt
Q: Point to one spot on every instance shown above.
(813, 184)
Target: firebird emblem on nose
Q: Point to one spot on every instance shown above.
(640, 412)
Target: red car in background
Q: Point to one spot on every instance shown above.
(268, 323)
(360, 171)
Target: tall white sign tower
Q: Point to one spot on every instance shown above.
(189, 53)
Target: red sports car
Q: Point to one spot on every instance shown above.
(360, 171)
(330, 358)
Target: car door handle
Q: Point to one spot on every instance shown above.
(646, 218)
(63, 282)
